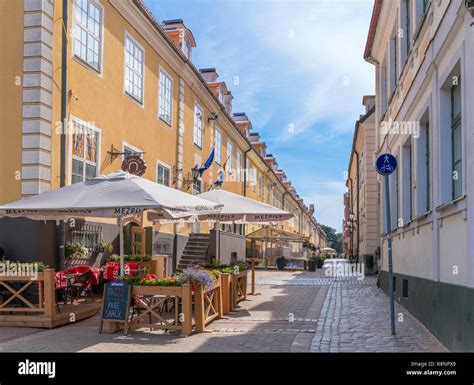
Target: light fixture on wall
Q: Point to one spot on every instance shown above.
(212, 117)
(191, 177)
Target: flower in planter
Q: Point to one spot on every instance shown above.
(239, 267)
(196, 275)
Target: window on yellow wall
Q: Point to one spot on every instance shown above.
(88, 32)
(84, 153)
(218, 144)
(163, 175)
(165, 97)
(260, 185)
(229, 157)
(239, 166)
(254, 180)
(198, 117)
(134, 60)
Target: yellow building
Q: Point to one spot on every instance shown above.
(131, 90)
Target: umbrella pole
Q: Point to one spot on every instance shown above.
(265, 247)
(120, 224)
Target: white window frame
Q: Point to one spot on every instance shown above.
(163, 165)
(239, 165)
(407, 171)
(131, 147)
(140, 101)
(393, 65)
(230, 150)
(198, 130)
(75, 120)
(185, 48)
(85, 62)
(424, 174)
(162, 96)
(218, 146)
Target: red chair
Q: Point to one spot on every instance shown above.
(82, 278)
(111, 271)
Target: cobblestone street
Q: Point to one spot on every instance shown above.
(293, 312)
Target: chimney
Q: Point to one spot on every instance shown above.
(181, 36)
(368, 101)
(210, 75)
(311, 209)
(242, 122)
(254, 137)
(228, 98)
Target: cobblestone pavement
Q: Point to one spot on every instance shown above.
(356, 318)
(293, 312)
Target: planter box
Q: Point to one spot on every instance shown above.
(226, 290)
(239, 287)
(208, 305)
(183, 314)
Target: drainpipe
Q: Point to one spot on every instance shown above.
(64, 93)
(358, 203)
(245, 180)
(351, 213)
(283, 200)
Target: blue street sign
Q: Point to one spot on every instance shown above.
(386, 164)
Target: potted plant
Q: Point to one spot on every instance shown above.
(312, 263)
(281, 263)
(106, 247)
(320, 261)
(75, 250)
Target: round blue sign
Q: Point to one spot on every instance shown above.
(386, 164)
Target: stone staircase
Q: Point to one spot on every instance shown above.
(195, 251)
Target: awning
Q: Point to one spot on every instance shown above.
(272, 234)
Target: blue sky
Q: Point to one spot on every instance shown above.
(301, 79)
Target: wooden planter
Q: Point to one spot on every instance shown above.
(226, 290)
(239, 287)
(234, 290)
(208, 305)
(43, 312)
(151, 298)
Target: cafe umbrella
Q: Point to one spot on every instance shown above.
(235, 209)
(116, 195)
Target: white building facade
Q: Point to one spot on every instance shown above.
(423, 52)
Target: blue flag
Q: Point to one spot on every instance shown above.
(220, 178)
(208, 163)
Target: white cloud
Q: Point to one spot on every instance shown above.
(328, 200)
(324, 41)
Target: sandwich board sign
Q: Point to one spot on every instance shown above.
(116, 302)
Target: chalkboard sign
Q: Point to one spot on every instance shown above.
(116, 302)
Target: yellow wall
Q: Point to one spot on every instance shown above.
(99, 98)
(11, 71)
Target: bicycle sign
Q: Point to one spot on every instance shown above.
(386, 164)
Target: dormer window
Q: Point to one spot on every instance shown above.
(185, 48)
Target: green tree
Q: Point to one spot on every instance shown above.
(334, 238)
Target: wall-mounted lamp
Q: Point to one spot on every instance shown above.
(212, 117)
